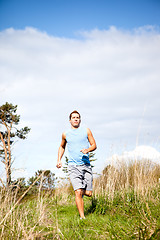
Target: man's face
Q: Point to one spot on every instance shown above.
(75, 120)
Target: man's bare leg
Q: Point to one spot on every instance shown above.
(79, 202)
(87, 193)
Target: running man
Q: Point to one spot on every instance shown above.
(80, 142)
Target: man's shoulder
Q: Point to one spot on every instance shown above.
(85, 129)
(88, 130)
(66, 132)
(64, 135)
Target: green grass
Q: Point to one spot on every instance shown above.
(120, 219)
(126, 216)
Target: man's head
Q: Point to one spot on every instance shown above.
(75, 119)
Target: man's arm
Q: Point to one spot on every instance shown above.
(92, 142)
(61, 151)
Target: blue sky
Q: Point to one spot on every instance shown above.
(65, 18)
(101, 58)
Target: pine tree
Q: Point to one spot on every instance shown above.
(9, 133)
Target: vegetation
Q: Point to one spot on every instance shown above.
(9, 120)
(125, 205)
(46, 182)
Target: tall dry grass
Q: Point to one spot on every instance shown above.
(133, 185)
(37, 218)
(138, 176)
(20, 219)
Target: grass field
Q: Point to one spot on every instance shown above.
(121, 208)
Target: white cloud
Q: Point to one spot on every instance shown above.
(110, 76)
(140, 153)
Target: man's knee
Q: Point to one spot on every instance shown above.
(78, 193)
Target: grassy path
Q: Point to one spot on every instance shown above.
(56, 217)
(118, 222)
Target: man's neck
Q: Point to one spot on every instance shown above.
(74, 127)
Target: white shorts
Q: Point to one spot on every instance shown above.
(81, 176)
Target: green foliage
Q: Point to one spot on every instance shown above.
(22, 133)
(9, 118)
(98, 205)
(20, 183)
(47, 180)
(65, 167)
(127, 216)
(91, 158)
(8, 121)
(8, 114)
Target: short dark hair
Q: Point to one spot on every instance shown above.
(74, 112)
